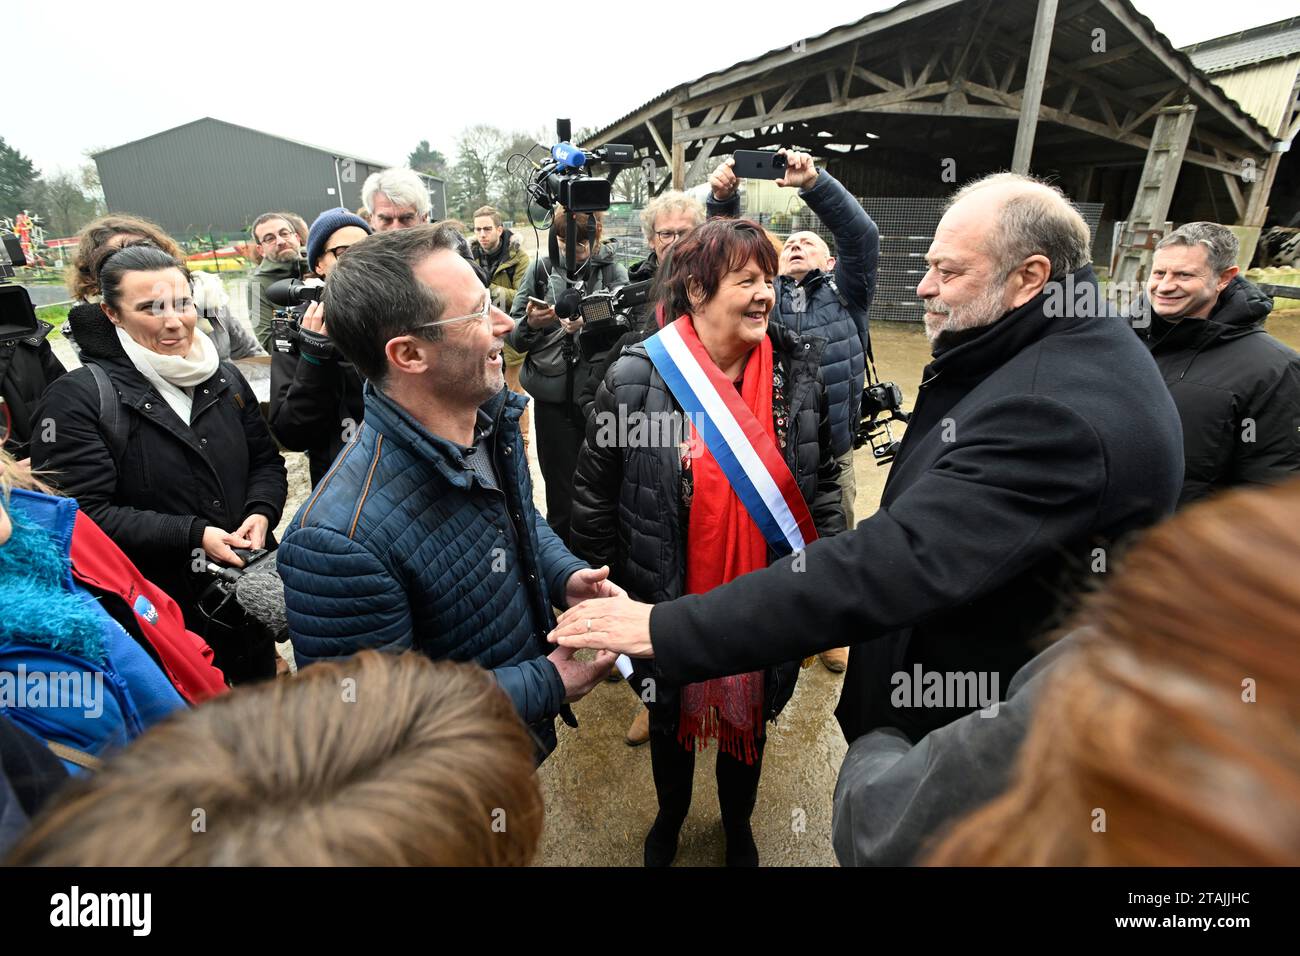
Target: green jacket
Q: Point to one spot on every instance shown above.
(505, 268)
(259, 306)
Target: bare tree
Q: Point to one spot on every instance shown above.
(479, 171)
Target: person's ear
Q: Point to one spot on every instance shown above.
(1226, 276)
(104, 307)
(694, 293)
(830, 262)
(1029, 279)
(408, 354)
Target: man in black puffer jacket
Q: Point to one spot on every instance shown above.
(1236, 387)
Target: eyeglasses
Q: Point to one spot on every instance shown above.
(671, 235)
(270, 237)
(484, 315)
(338, 251)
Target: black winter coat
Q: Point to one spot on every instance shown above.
(556, 369)
(316, 407)
(642, 325)
(27, 366)
(1237, 390)
(1033, 442)
(174, 480)
(627, 501)
(834, 304)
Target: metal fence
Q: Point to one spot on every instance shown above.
(906, 224)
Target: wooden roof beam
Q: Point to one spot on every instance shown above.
(1202, 87)
(779, 60)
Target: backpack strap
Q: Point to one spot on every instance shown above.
(74, 756)
(112, 423)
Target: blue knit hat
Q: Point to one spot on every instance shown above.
(326, 224)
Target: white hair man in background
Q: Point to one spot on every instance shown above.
(396, 198)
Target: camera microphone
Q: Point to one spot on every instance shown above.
(568, 156)
(568, 304)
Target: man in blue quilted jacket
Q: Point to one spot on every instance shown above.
(423, 535)
(826, 295)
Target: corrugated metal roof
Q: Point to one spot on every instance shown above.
(1246, 47)
(1264, 90)
(663, 100)
(321, 149)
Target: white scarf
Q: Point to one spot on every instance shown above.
(174, 376)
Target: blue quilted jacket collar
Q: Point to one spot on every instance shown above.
(396, 424)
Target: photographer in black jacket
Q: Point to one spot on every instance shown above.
(316, 403)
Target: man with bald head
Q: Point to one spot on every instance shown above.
(1041, 435)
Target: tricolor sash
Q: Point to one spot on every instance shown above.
(742, 448)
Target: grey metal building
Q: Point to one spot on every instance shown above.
(214, 177)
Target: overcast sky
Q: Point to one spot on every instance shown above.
(373, 78)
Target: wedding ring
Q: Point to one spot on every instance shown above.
(588, 625)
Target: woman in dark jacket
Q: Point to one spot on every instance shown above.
(651, 501)
(171, 457)
(557, 366)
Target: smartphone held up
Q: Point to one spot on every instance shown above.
(758, 164)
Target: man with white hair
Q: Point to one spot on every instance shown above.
(397, 198)
(1236, 387)
(1041, 436)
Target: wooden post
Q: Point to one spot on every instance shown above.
(679, 165)
(1257, 197)
(1032, 96)
(1146, 221)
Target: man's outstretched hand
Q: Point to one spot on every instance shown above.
(590, 583)
(617, 623)
(580, 677)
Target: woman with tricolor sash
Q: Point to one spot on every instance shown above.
(708, 455)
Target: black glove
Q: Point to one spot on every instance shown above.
(316, 346)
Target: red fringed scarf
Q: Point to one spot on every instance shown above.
(722, 543)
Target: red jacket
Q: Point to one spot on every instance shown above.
(186, 659)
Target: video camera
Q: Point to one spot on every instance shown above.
(292, 296)
(878, 399)
(564, 177)
(605, 314)
(17, 315)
